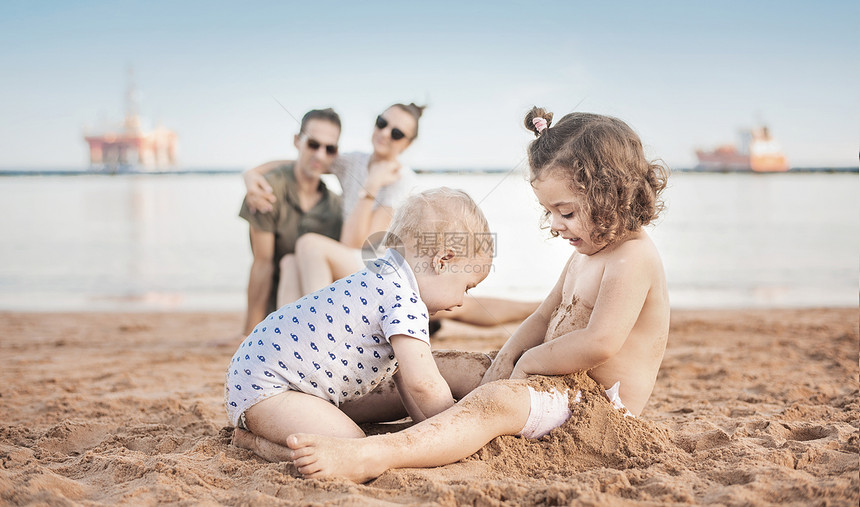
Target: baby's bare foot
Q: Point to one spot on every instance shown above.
(318, 456)
(263, 448)
(243, 439)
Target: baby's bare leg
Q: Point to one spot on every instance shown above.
(462, 371)
(272, 420)
(497, 408)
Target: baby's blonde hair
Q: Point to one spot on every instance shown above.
(443, 213)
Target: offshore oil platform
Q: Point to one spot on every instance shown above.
(127, 147)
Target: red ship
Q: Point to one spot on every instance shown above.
(757, 151)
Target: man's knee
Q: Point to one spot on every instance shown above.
(309, 243)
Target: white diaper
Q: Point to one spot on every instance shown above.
(550, 409)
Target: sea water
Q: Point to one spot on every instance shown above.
(175, 242)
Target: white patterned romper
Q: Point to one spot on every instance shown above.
(333, 343)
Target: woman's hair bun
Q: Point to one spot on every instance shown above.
(414, 109)
(537, 112)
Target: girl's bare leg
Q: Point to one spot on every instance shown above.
(497, 408)
(323, 260)
(289, 284)
(462, 370)
(272, 420)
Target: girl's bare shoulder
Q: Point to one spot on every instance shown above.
(637, 249)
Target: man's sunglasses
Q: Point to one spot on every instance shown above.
(396, 133)
(314, 145)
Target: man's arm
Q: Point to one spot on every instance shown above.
(268, 166)
(260, 279)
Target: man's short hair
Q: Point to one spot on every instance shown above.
(326, 114)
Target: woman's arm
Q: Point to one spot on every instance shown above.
(363, 221)
(259, 193)
(365, 217)
(422, 389)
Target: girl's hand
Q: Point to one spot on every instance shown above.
(259, 196)
(381, 174)
(500, 368)
(518, 373)
(521, 370)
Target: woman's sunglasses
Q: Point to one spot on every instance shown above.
(314, 145)
(396, 133)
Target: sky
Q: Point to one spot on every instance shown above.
(684, 74)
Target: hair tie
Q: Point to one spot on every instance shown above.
(540, 124)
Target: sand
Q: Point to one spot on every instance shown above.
(750, 407)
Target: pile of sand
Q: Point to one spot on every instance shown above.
(751, 407)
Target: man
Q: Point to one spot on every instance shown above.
(302, 204)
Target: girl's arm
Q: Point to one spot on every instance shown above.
(531, 333)
(422, 389)
(620, 298)
(259, 193)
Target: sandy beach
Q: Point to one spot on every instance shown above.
(750, 407)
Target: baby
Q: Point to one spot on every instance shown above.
(303, 361)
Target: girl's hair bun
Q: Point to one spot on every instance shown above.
(537, 112)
